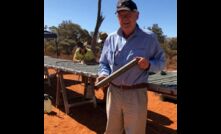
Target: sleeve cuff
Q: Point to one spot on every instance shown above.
(148, 67)
(103, 74)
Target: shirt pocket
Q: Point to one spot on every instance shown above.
(141, 52)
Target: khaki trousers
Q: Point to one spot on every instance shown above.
(126, 110)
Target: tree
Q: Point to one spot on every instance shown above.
(170, 49)
(100, 19)
(53, 29)
(68, 35)
(158, 31)
(173, 43)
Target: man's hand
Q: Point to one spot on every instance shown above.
(100, 78)
(77, 61)
(143, 63)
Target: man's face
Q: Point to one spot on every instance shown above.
(127, 20)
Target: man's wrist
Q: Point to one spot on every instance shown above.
(148, 67)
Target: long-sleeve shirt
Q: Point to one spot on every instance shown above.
(117, 51)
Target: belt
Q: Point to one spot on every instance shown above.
(141, 85)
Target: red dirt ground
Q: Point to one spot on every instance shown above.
(85, 119)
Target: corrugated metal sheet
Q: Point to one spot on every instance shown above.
(159, 83)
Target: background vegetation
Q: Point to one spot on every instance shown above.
(70, 33)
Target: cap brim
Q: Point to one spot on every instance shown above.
(123, 8)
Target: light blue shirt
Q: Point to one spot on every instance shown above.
(117, 51)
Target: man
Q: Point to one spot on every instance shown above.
(83, 54)
(126, 103)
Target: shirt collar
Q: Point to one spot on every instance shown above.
(136, 32)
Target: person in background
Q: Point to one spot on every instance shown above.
(84, 55)
(126, 103)
(100, 44)
(102, 38)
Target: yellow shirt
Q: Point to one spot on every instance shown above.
(88, 56)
